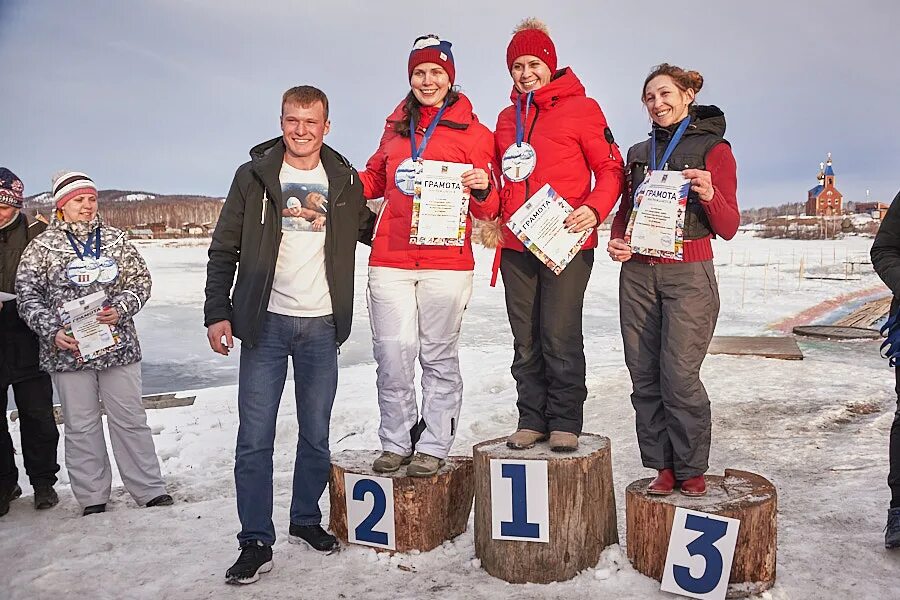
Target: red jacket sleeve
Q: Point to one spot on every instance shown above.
(722, 210)
(374, 178)
(620, 221)
(604, 160)
(483, 157)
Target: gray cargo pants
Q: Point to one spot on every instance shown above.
(118, 390)
(667, 314)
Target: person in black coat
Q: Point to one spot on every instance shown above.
(886, 260)
(19, 366)
(292, 298)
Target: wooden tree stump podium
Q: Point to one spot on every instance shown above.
(748, 497)
(582, 512)
(427, 511)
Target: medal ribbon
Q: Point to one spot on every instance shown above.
(520, 124)
(89, 248)
(415, 153)
(670, 148)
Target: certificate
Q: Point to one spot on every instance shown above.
(5, 297)
(80, 318)
(440, 204)
(539, 226)
(656, 226)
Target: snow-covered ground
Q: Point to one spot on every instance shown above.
(817, 428)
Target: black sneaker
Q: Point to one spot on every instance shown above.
(892, 529)
(162, 500)
(313, 535)
(255, 558)
(7, 496)
(93, 509)
(45, 497)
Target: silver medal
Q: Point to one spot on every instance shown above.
(109, 270)
(405, 177)
(83, 271)
(519, 161)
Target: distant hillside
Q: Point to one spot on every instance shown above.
(122, 208)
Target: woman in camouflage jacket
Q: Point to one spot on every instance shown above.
(78, 256)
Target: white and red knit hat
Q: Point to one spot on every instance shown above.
(68, 184)
(431, 48)
(531, 37)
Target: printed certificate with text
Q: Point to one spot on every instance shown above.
(80, 318)
(656, 226)
(440, 204)
(539, 226)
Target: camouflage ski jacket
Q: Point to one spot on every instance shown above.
(42, 288)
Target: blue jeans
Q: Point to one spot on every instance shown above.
(312, 344)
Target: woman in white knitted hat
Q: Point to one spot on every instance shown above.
(94, 361)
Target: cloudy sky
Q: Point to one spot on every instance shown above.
(168, 95)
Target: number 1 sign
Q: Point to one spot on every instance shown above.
(701, 549)
(370, 510)
(520, 509)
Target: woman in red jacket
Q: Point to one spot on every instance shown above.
(668, 308)
(417, 293)
(553, 133)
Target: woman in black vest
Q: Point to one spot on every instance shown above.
(669, 301)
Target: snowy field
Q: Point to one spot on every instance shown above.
(817, 428)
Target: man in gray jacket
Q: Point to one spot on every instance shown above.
(289, 227)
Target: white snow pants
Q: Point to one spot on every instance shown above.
(418, 312)
(118, 390)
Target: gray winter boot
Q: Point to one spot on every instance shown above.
(389, 462)
(424, 465)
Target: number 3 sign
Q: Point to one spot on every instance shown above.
(701, 549)
(370, 510)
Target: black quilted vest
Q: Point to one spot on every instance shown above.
(705, 131)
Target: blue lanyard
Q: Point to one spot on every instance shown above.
(415, 153)
(520, 124)
(670, 148)
(89, 248)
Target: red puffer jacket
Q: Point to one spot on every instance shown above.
(572, 141)
(460, 138)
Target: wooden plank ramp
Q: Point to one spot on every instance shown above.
(782, 347)
(866, 315)
(150, 401)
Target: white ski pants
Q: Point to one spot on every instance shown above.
(418, 313)
(118, 390)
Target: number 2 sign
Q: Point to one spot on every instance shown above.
(370, 510)
(701, 549)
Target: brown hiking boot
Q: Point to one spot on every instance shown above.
(389, 462)
(424, 465)
(524, 439)
(563, 441)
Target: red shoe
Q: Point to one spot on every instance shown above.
(695, 486)
(664, 484)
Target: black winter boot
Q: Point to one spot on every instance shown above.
(314, 535)
(45, 497)
(7, 496)
(255, 558)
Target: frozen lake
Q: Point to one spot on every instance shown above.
(758, 279)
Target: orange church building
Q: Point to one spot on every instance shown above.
(825, 199)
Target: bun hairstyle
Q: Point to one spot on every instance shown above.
(684, 80)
